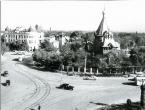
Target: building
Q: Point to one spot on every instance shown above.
(31, 36)
(58, 40)
(104, 41)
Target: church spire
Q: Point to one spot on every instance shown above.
(99, 31)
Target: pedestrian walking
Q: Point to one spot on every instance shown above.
(39, 107)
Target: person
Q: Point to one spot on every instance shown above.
(8, 82)
(39, 107)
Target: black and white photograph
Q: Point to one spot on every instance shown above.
(72, 55)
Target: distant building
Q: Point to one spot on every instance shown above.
(58, 40)
(31, 36)
(104, 41)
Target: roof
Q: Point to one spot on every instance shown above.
(102, 26)
(104, 32)
(111, 42)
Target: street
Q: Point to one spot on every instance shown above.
(30, 88)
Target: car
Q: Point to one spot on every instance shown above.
(70, 73)
(132, 75)
(89, 78)
(19, 53)
(7, 83)
(139, 81)
(5, 73)
(65, 86)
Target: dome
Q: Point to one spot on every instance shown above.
(30, 29)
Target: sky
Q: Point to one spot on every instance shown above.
(121, 16)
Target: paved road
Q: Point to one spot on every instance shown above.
(32, 87)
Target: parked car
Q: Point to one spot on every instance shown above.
(65, 86)
(7, 83)
(70, 73)
(139, 80)
(89, 78)
(5, 73)
(132, 75)
(140, 74)
(19, 53)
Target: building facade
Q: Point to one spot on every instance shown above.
(58, 40)
(31, 36)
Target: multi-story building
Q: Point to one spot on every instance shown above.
(58, 40)
(31, 36)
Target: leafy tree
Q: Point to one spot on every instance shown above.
(4, 47)
(49, 60)
(134, 57)
(47, 46)
(87, 42)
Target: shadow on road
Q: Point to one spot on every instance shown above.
(98, 103)
(129, 83)
(15, 59)
(131, 79)
(33, 67)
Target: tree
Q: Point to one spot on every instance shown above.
(47, 46)
(4, 47)
(134, 57)
(49, 60)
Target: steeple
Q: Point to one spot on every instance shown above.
(102, 26)
(99, 31)
(99, 36)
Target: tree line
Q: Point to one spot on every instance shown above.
(81, 47)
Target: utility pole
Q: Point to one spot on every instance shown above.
(85, 64)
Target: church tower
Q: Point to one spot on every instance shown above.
(104, 41)
(99, 37)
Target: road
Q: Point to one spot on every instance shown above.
(30, 87)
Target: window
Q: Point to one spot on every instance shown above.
(19, 36)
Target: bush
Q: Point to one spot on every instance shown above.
(28, 60)
(49, 60)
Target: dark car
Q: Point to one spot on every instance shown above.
(7, 83)
(5, 73)
(65, 86)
